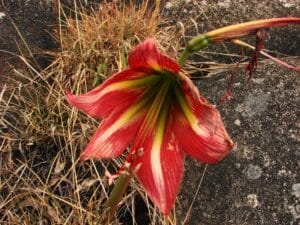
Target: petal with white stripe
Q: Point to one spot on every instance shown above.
(198, 125)
(159, 162)
(119, 91)
(115, 133)
(146, 56)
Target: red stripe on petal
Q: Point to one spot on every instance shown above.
(209, 147)
(203, 137)
(146, 56)
(159, 169)
(100, 102)
(103, 107)
(113, 135)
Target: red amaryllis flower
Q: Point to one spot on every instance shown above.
(157, 110)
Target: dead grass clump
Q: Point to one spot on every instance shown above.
(41, 136)
(98, 43)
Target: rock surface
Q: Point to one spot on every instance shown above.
(27, 26)
(25, 29)
(258, 183)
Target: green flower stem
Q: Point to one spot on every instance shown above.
(116, 196)
(184, 56)
(194, 45)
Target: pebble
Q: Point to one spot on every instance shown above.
(224, 4)
(254, 172)
(287, 3)
(252, 200)
(296, 190)
(237, 122)
(169, 5)
(2, 14)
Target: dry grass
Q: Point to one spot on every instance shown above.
(41, 136)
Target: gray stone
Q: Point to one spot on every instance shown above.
(257, 182)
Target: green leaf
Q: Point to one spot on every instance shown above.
(102, 68)
(96, 81)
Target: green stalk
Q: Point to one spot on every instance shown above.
(183, 57)
(194, 45)
(115, 197)
(232, 32)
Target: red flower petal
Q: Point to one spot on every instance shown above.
(159, 167)
(199, 127)
(101, 101)
(211, 144)
(114, 134)
(146, 56)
